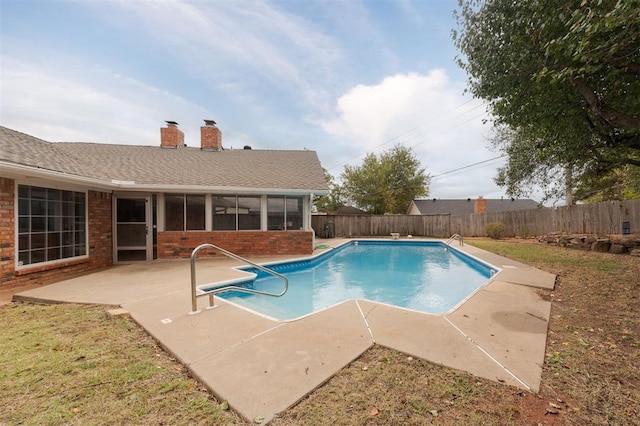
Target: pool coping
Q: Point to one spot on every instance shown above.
(262, 366)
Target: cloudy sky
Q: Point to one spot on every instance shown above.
(341, 77)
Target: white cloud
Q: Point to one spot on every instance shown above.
(252, 42)
(59, 106)
(429, 114)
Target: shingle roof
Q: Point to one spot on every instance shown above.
(443, 206)
(153, 165)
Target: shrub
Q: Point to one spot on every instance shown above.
(494, 230)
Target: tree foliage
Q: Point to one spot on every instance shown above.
(563, 77)
(334, 199)
(388, 184)
(620, 184)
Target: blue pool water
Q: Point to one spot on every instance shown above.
(422, 276)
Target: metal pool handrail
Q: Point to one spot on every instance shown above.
(453, 237)
(210, 293)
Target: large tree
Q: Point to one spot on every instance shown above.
(388, 184)
(563, 78)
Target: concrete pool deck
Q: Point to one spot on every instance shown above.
(262, 367)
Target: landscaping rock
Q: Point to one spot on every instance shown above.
(617, 249)
(601, 245)
(616, 244)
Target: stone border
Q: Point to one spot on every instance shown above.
(615, 244)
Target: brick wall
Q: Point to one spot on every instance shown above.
(172, 245)
(100, 229)
(100, 242)
(7, 226)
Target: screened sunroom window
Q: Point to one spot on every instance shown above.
(284, 213)
(184, 212)
(51, 224)
(231, 213)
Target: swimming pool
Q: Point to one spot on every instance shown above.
(419, 275)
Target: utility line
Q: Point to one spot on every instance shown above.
(466, 121)
(412, 130)
(467, 166)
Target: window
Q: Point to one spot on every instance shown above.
(231, 213)
(51, 224)
(284, 213)
(184, 212)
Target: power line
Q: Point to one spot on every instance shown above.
(467, 166)
(416, 128)
(466, 121)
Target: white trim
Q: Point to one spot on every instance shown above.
(264, 214)
(21, 172)
(224, 190)
(208, 212)
(160, 213)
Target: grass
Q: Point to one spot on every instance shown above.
(69, 364)
(66, 364)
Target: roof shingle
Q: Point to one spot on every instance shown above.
(444, 206)
(184, 166)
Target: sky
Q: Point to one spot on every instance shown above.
(341, 77)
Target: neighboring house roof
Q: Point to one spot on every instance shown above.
(443, 206)
(349, 210)
(167, 167)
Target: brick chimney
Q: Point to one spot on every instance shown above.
(171, 136)
(480, 205)
(210, 136)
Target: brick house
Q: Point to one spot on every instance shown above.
(69, 208)
(478, 205)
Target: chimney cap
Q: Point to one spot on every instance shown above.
(171, 123)
(209, 122)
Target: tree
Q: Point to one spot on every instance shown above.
(619, 184)
(387, 184)
(563, 76)
(334, 199)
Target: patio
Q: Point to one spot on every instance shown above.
(262, 367)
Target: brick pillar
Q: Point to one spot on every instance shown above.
(171, 136)
(7, 230)
(480, 205)
(210, 136)
(100, 228)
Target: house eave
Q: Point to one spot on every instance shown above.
(217, 189)
(24, 172)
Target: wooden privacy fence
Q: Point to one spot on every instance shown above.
(605, 218)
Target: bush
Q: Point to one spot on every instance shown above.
(494, 230)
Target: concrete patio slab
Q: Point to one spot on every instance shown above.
(528, 276)
(262, 366)
(433, 338)
(267, 374)
(510, 323)
(192, 338)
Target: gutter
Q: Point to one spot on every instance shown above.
(20, 171)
